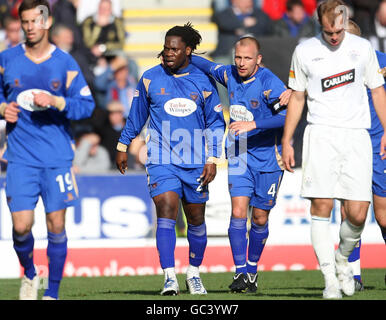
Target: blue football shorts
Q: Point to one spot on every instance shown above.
(163, 178)
(260, 187)
(24, 184)
(379, 176)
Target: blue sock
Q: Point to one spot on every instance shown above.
(197, 243)
(56, 253)
(237, 233)
(166, 241)
(355, 254)
(257, 237)
(383, 230)
(24, 246)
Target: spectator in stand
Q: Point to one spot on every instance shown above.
(241, 18)
(116, 83)
(295, 22)
(276, 8)
(63, 37)
(64, 13)
(90, 156)
(103, 32)
(364, 12)
(13, 33)
(379, 22)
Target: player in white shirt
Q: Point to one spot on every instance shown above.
(334, 68)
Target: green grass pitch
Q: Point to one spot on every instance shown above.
(272, 285)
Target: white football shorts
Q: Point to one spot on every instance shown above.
(337, 163)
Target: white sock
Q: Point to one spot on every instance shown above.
(349, 236)
(323, 245)
(192, 271)
(356, 267)
(170, 273)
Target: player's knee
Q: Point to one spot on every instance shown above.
(321, 207)
(239, 213)
(260, 216)
(21, 229)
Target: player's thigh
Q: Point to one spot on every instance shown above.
(195, 212)
(56, 221)
(59, 188)
(379, 205)
(22, 187)
(266, 188)
(167, 204)
(240, 206)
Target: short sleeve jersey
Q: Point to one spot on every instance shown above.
(335, 80)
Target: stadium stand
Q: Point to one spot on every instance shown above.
(147, 21)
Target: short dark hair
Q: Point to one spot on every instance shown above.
(31, 4)
(292, 3)
(190, 36)
(248, 38)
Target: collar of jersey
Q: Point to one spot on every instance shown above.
(184, 71)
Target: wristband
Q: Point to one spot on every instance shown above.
(121, 147)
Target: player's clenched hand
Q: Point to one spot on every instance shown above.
(239, 127)
(288, 156)
(11, 112)
(285, 97)
(121, 161)
(42, 99)
(208, 174)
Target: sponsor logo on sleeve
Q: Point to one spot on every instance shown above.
(292, 74)
(338, 80)
(218, 108)
(85, 91)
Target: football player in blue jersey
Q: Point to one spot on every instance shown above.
(185, 119)
(379, 170)
(41, 90)
(257, 113)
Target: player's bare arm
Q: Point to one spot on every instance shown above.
(294, 113)
(379, 98)
(285, 97)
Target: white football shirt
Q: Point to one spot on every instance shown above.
(335, 80)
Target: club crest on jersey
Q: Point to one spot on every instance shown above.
(55, 84)
(254, 103)
(162, 92)
(194, 96)
(338, 80)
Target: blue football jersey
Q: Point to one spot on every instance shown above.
(376, 130)
(41, 137)
(253, 99)
(186, 123)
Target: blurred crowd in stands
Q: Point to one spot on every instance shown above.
(93, 32)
